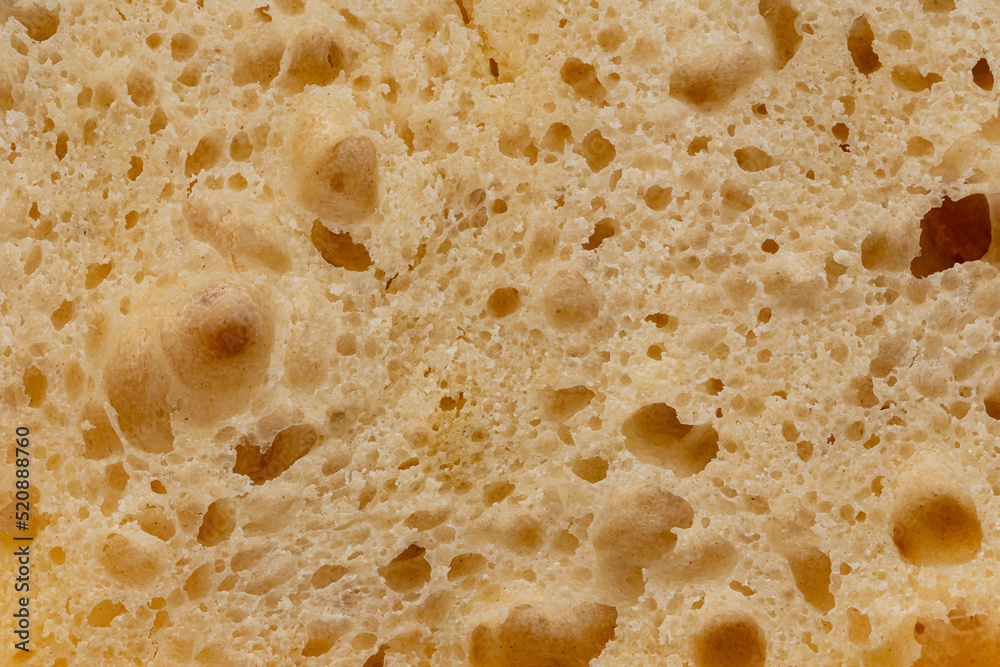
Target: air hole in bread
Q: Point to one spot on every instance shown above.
(655, 435)
(528, 636)
(339, 249)
(982, 75)
(953, 233)
(407, 571)
(603, 230)
(582, 78)
(860, 41)
(731, 643)
(936, 528)
(780, 17)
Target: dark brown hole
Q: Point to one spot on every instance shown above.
(982, 76)
(953, 233)
(231, 340)
(859, 42)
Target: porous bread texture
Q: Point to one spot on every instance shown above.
(503, 332)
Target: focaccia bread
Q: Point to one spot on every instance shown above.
(525, 333)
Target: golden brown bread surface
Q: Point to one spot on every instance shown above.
(503, 332)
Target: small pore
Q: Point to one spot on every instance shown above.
(860, 40)
(953, 233)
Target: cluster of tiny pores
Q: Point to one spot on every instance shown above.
(188, 363)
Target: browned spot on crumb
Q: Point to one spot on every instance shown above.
(231, 340)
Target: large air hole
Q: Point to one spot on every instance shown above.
(963, 639)
(811, 570)
(408, 571)
(714, 77)
(654, 434)
(953, 233)
(531, 637)
(582, 77)
(339, 249)
(780, 17)
(937, 528)
(860, 41)
(982, 76)
(288, 446)
(731, 643)
(909, 77)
